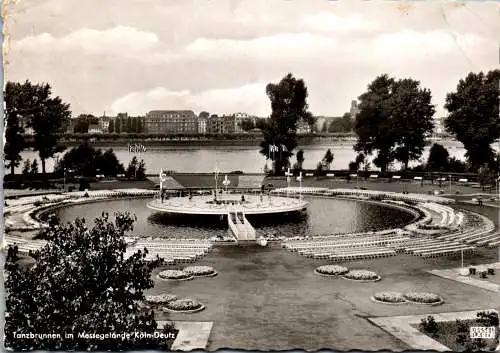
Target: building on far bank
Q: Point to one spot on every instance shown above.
(303, 127)
(104, 124)
(354, 111)
(239, 118)
(202, 126)
(324, 122)
(221, 125)
(171, 122)
(95, 129)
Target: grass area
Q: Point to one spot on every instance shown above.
(455, 335)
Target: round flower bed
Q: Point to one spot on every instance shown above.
(423, 298)
(200, 271)
(186, 305)
(362, 275)
(174, 274)
(331, 270)
(160, 299)
(389, 298)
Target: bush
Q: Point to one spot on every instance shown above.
(491, 271)
(332, 270)
(390, 297)
(488, 318)
(103, 297)
(429, 325)
(422, 297)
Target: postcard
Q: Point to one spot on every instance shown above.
(251, 175)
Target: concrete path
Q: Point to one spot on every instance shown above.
(403, 328)
(454, 275)
(192, 334)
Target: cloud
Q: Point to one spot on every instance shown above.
(249, 98)
(330, 22)
(119, 40)
(283, 45)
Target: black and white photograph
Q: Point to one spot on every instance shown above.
(251, 175)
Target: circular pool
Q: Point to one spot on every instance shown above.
(323, 216)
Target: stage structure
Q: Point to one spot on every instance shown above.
(233, 206)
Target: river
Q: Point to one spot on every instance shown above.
(190, 159)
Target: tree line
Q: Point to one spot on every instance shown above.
(32, 106)
(395, 119)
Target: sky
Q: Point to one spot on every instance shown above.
(138, 55)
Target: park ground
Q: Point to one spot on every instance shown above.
(268, 298)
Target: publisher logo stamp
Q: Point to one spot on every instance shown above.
(482, 332)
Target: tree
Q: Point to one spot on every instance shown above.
(204, 115)
(486, 176)
(261, 123)
(110, 166)
(111, 126)
(438, 158)
(17, 109)
(288, 106)
(412, 112)
(141, 171)
(26, 167)
(132, 168)
(343, 124)
(457, 166)
(34, 167)
(300, 160)
(82, 282)
(328, 158)
(85, 160)
(473, 116)
(129, 125)
(49, 118)
(394, 119)
(247, 124)
(324, 127)
(118, 126)
(140, 125)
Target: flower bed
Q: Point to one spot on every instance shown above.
(389, 298)
(362, 275)
(423, 298)
(186, 305)
(331, 270)
(205, 271)
(174, 274)
(160, 299)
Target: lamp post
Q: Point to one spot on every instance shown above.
(64, 180)
(216, 173)
(449, 177)
(288, 179)
(226, 182)
(299, 178)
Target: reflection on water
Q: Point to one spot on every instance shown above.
(323, 216)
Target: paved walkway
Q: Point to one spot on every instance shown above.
(192, 334)
(403, 328)
(454, 275)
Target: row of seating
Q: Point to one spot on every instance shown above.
(24, 245)
(476, 230)
(367, 193)
(172, 250)
(345, 244)
(360, 256)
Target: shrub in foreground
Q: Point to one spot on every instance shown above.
(81, 282)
